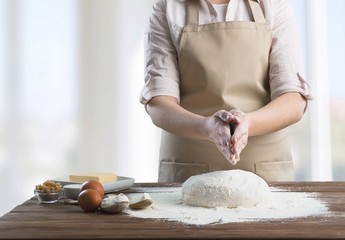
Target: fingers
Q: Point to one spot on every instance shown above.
(241, 134)
(225, 116)
(236, 115)
(221, 135)
(239, 138)
(234, 159)
(225, 150)
(238, 146)
(236, 150)
(230, 143)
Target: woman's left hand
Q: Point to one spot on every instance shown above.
(240, 125)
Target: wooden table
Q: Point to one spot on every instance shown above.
(32, 220)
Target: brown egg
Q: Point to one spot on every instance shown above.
(89, 200)
(93, 184)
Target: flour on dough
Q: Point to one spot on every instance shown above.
(231, 189)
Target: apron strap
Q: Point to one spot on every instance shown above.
(192, 17)
(257, 11)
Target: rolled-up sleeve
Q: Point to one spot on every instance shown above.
(286, 65)
(161, 66)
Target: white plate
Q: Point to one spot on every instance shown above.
(72, 189)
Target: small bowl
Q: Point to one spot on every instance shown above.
(72, 191)
(48, 197)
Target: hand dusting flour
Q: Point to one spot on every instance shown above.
(172, 205)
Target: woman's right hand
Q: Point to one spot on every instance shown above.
(218, 128)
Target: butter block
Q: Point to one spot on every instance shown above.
(101, 177)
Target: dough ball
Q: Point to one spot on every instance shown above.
(231, 189)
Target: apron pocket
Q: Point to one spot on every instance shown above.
(275, 171)
(180, 172)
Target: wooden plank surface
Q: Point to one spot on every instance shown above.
(32, 220)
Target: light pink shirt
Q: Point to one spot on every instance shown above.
(162, 40)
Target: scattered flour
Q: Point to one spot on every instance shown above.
(283, 204)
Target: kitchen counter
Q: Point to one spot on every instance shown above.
(32, 220)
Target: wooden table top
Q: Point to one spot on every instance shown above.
(32, 220)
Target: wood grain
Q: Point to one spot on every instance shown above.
(32, 220)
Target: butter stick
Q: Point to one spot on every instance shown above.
(101, 177)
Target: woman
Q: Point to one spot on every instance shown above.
(223, 80)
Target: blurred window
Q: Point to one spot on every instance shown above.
(38, 93)
(327, 108)
(336, 65)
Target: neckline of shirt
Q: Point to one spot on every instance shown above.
(221, 10)
(220, 5)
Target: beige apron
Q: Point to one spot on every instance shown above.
(224, 66)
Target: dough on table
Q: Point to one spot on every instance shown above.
(230, 188)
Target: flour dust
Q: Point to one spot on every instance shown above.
(168, 206)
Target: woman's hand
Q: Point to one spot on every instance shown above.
(219, 132)
(168, 115)
(240, 127)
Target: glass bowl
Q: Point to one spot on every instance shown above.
(48, 197)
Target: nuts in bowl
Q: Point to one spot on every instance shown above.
(48, 192)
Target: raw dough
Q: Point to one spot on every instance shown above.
(231, 189)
